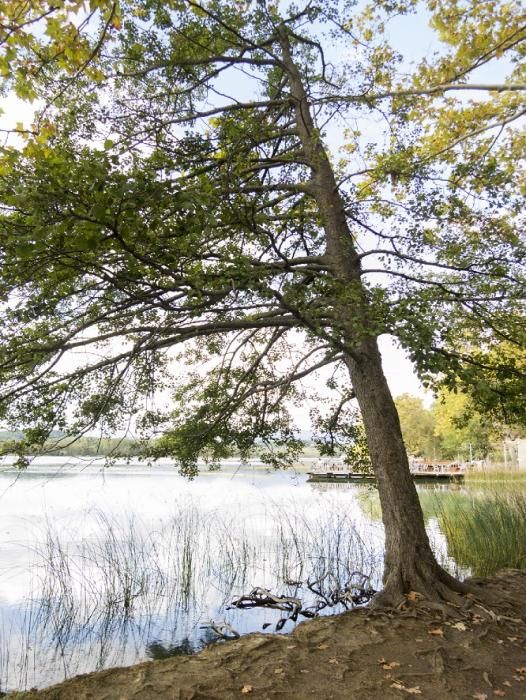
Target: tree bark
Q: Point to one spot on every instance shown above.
(410, 564)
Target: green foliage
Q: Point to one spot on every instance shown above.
(163, 213)
(339, 431)
(39, 38)
(451, 428)
(418, 426)
(461, 429)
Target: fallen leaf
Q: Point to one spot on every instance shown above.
(247, 689)
(291, 646)
(459, 626)
(411, 691)
(519, 678)
(522, 669)
(499, 693)
(438, 631)
(323, 646)
(278, 670)
(507, 683)
(480, 696)
(512, 639)
(381, 660)
(393, 664)
(413, 596)
(334, 661)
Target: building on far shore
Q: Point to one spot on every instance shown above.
(510, 454)
(521, 453)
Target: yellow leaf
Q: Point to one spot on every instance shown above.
(459, 626)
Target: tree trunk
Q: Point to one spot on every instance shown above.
(410, 565)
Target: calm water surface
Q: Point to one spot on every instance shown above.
(108, 566)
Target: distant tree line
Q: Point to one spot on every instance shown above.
(90, 446)
(450, 428)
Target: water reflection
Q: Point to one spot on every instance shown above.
(158, 651)
(101, 564)
(102, 567)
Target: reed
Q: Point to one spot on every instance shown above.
(495, 476)
(485, 532)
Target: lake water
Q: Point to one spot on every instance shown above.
(108, 566)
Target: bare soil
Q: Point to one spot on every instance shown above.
(416, 651)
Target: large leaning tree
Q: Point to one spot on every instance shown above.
(219, 199)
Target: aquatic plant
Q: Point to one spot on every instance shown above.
(103, 596)
(485, 532)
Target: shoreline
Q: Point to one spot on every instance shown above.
(361, 654)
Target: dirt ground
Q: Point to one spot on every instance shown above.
(360, 655)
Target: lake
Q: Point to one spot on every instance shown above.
(109, 566)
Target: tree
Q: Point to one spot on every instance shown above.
(189, 203)
(452, 426)
(493, 384)
(460, 428)
(418, 426)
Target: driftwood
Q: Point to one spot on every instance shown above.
(261, 597)
(357, 591)
(222, 629)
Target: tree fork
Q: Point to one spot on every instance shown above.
(410, 564)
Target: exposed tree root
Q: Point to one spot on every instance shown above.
(426, 585)
(430, 590)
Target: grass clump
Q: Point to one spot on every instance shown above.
(485, 534)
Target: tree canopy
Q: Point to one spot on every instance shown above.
(38, 37)
(451, 428)
(237, 195)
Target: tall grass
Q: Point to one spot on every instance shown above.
(493, 476)
(485, 533)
